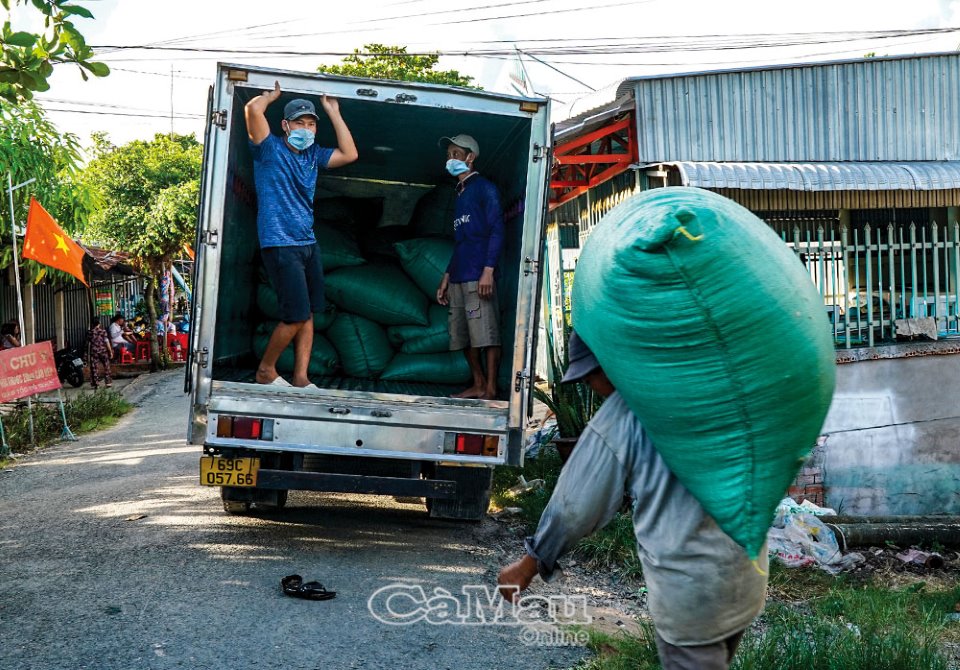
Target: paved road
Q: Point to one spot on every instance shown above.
(87, 583)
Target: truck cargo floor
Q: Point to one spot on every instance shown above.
(242, 375)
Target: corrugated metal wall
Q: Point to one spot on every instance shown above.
(793, 200)
(903, 109)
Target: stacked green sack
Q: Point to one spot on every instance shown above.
(323, 357)
(270, 308)
(362, 345)
(337, 249)
(446, 368)
(425, 260)
(711, 330)
(381, 293)
(434, 338)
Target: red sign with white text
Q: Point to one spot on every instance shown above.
(27, 370)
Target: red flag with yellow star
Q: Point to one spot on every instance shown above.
(45, 242)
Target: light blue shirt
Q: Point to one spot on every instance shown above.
(701, 587)
(286, 182)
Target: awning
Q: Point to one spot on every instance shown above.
(847, 176)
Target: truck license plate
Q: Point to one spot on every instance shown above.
(218, 471)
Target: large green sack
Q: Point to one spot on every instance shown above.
(362, 345)
(337, 249)
(433, 215)
(323, 357)
(381, 293)
(447, 368)
(425, 260)
(710, 328)
(433, 338)
(270, 307)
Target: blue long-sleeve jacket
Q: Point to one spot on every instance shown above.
(478, 230)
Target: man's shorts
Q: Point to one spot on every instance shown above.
(296, 274)
(474, 322)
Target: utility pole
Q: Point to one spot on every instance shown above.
(171, 99)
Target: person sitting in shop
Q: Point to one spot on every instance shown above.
(118, 340)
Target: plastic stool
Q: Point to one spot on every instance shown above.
(126, 358)
(143, 350)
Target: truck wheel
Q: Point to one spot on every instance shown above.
(234, 507)
(233, 502)
(473, 499)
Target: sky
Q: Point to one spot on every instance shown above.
(653, 36)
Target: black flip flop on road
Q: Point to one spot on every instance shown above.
(295, 587)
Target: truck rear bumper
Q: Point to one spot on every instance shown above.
(340, 483)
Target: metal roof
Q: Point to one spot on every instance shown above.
(904, 108)
(829, 176)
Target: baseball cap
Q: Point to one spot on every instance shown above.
(582, 360)
(297, 108)
(461, 140)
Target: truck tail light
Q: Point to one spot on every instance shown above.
(470, 445)
(244, 427)
(473, 445)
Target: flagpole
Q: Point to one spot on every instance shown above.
(16, 276)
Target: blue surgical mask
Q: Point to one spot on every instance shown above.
(457, 167)
(300, 139)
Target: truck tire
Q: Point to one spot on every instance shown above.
(240, 500)
(233, 503)
(473, 485)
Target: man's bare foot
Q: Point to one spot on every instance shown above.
(300, 382)
(472, 392)
(266, 375)
(488, 395)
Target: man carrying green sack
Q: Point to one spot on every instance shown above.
(469, 284)
(702, 589)
(285, 174)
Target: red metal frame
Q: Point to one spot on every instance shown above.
(591, 159)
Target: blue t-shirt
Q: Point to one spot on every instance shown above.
(477, 230)
(286, 182)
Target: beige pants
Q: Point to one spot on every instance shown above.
(473, 322)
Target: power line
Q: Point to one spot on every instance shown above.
(556, 69)
(687, 44)
(552, 11)
(142, 116)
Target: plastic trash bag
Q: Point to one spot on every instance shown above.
(799, 539)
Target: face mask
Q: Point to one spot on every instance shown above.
(300, 139)
(457, 167)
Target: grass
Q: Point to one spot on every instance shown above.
(85, 413)
(841, 627)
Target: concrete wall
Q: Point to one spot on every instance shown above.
(891, 441)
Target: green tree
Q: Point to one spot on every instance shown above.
(31, 147)
(378, 61)
(148, 193)
(27, 58)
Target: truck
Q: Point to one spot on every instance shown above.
(362, 435)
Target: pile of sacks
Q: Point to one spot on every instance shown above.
(382, 321)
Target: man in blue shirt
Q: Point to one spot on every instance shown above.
(702, 589)
(285, 173)
(469, 285)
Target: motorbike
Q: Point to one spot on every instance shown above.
(69, 366)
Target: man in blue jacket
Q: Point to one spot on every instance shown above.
(469, 285)
(285, 174)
